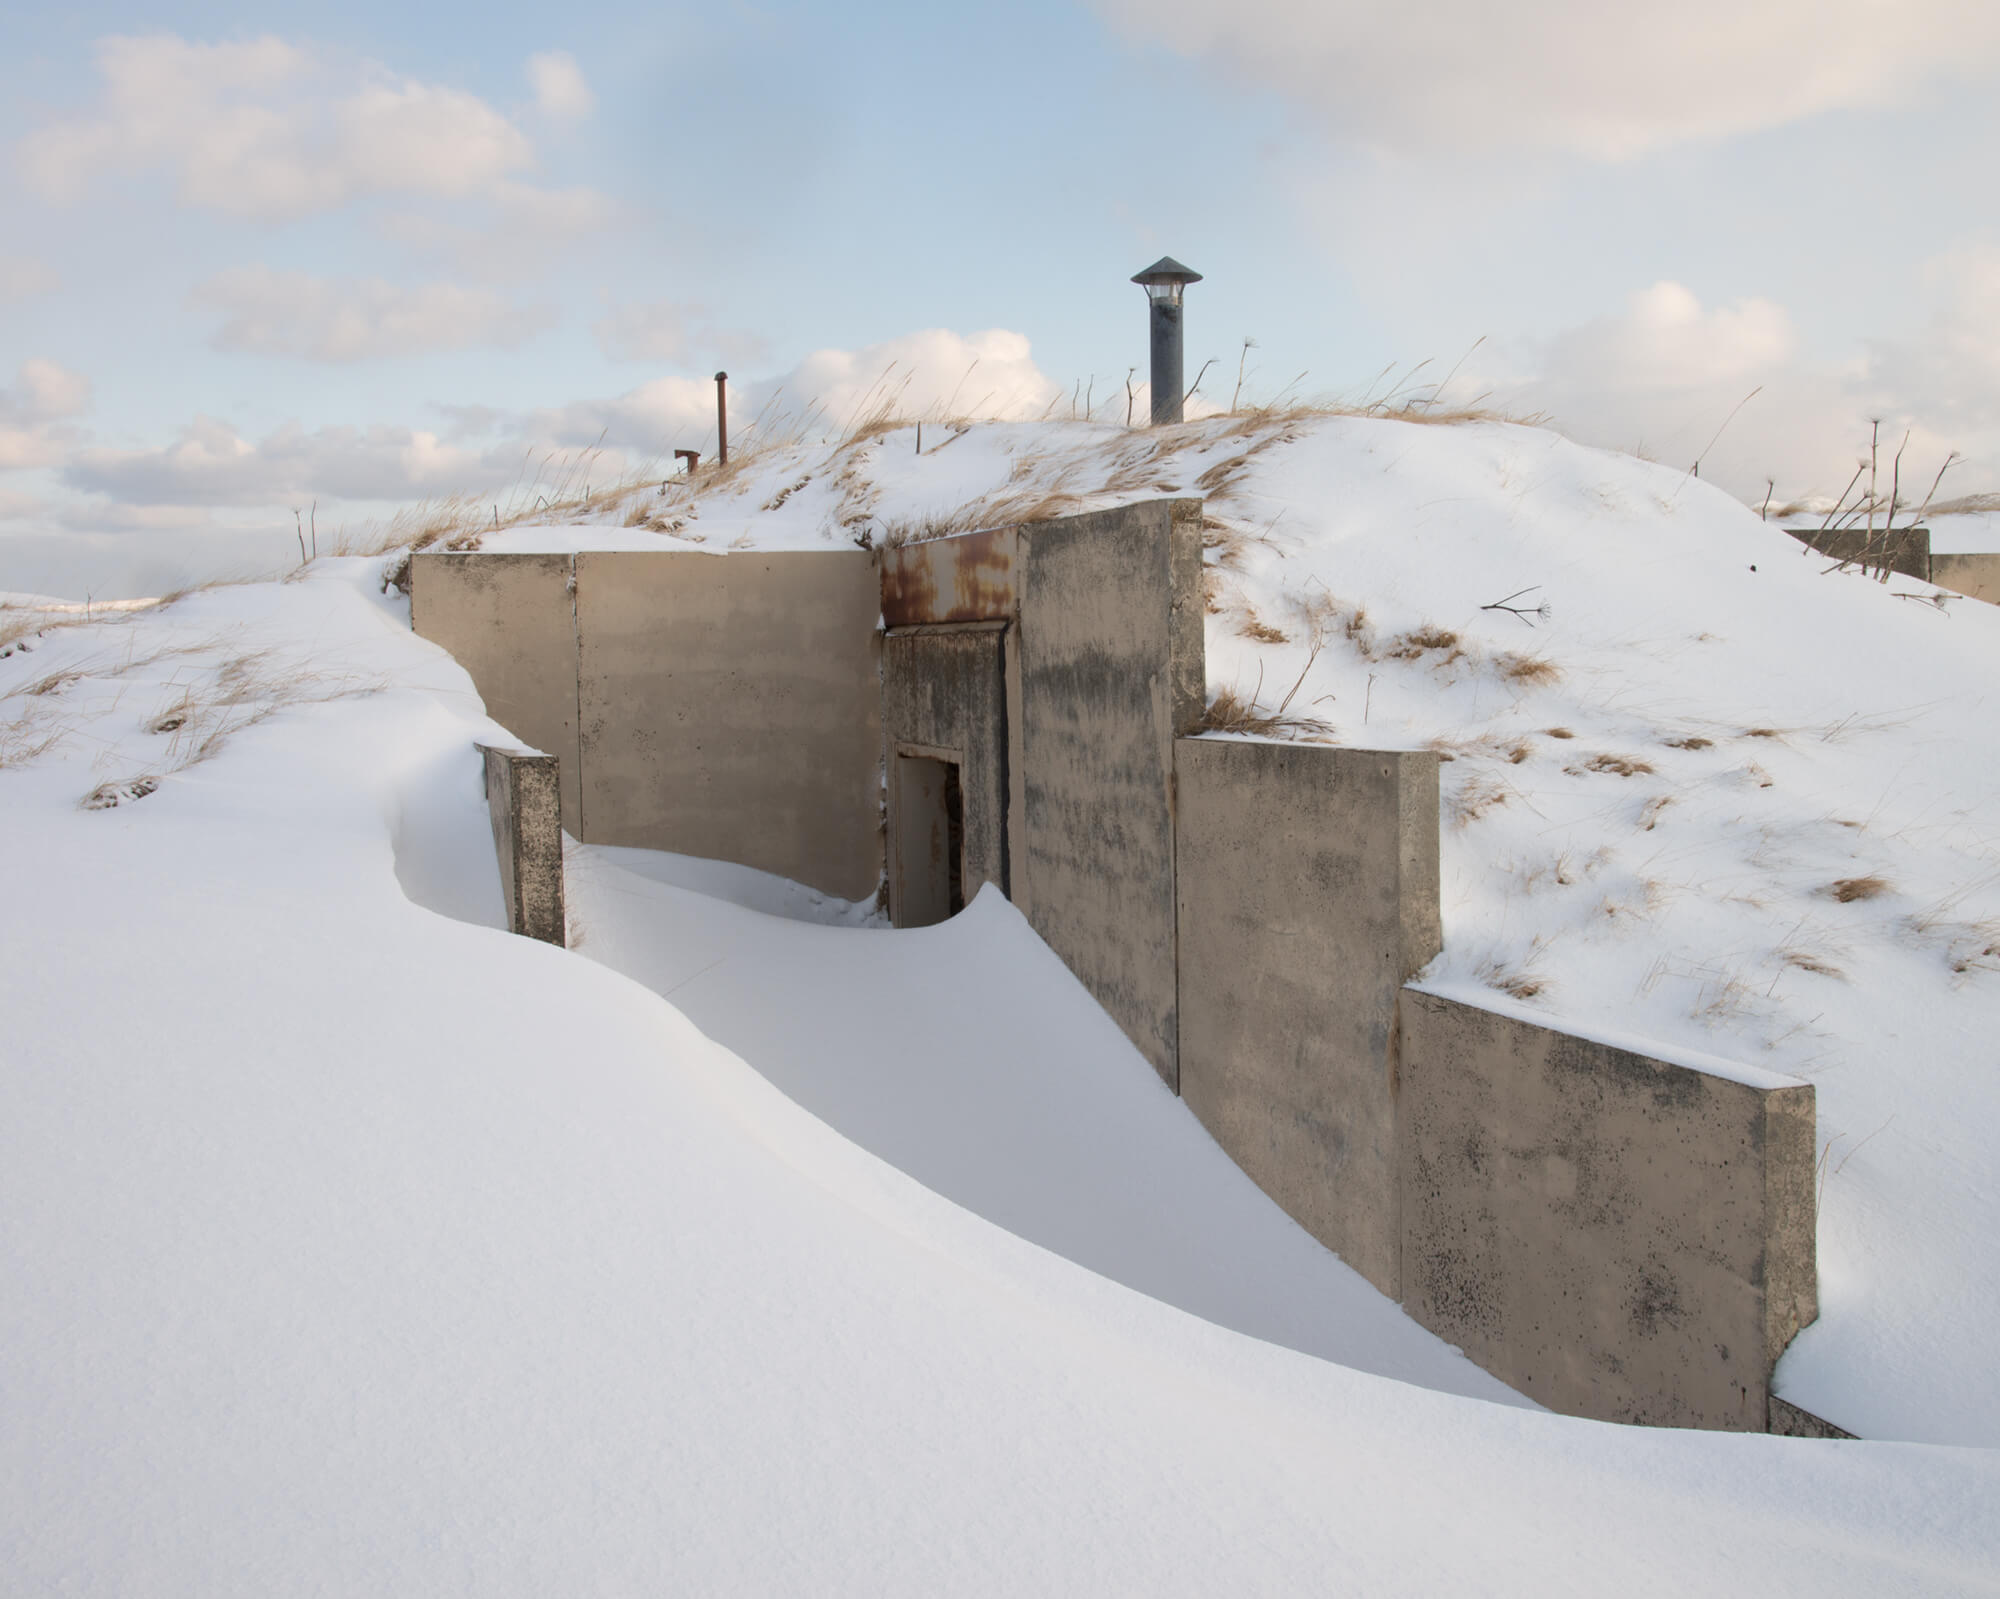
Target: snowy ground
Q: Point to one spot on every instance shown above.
(1701, 793)
(352, 1247)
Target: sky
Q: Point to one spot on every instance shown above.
(359, 255)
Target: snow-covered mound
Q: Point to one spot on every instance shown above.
(351, 1247)
(1701, 791)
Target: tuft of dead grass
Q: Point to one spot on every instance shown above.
(1520, 980)
(1617, 765)
(1558, 732)
(1530, 671)
(1228, 712)
(1477, 795)
(1849, 889)
(107, 796)
(1425, 640)
(1694, 741)
(1262, 632)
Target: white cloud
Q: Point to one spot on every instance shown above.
(34, 430)
(211, 464)
(558, 82)
(44, 391)
(1955, 361)
(268, 312)
(990, 374)
(523, 228)
(655, 331)
(267, 130)
(1598, 78)
(667, 330)
(1667, 375)
(23, 278)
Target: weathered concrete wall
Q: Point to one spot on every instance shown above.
(729, 707)
(1616, 1236)
(1111, 670)
(1975, 575)
(944, 695)
(1907, 550)
(523, 796)
(1308, 894)
(508, 620)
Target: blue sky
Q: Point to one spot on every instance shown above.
(370, 253)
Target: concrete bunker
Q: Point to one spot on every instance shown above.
(1026, 713)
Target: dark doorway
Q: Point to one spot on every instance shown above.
(927, 861)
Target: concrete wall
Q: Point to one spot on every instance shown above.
(1907, 550)
(1308, 894)
(944, 695)
(1616, 1236)
(1111, 670)
(1976, 575)
(523, 797)
(729, 707)
(508, 620)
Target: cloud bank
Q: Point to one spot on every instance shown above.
(1604, 81)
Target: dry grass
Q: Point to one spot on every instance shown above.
(1476, 796)
(1521, 979)
(1262, 632)
(1617, 765)
(1229, 713)
(1530, 671)
(1649, 813)
(108, 795)
(1425, 640)
(1694, 741)
(1558, 732)
(1849, 889)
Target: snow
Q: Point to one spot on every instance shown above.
(1658, 793)
(969, 1057)
(352, 1247)
(353, 1244)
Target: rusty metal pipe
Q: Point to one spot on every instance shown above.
(722, 419)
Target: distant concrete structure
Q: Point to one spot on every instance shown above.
(1620, 1236)
(1905, 550)
(1976, 575)
(524, 802)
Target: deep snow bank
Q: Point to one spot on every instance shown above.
(1701, 792)
(352, 1247)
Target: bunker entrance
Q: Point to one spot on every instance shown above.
(927, 880)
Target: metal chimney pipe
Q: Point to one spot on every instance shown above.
(722, 419)
(1163, 282)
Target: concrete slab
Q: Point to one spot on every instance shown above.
(1308, 894)
(1616, 1236)
(1111, 670)
(730, 707)
(523, 797)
